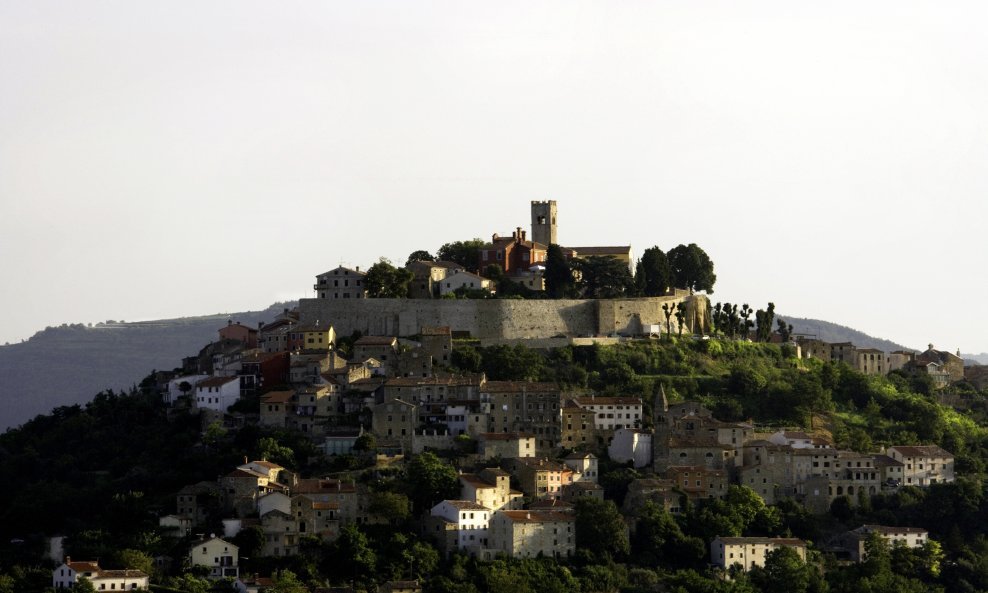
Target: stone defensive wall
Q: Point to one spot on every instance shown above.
(503, 319)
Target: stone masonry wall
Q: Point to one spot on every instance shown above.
(500, 319)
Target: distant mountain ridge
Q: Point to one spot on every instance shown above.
(68, 365)
(833, 332)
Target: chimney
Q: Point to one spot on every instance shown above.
(524, 234)
(68, 559)
(357, 268)
(229, 322)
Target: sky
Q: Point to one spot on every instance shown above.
(165, 159)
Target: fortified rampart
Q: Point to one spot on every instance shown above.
(503, 319)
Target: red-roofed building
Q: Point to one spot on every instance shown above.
(68, 574)
(241, 333)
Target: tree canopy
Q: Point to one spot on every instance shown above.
(604, 277)
(653, 276)
(691, 268)
(559, 282)
(385, 281)
(465, 253)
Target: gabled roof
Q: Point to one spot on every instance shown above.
(518, 387)
(921, 451)
(341, 269)
(376, 341)
(465, 505)
(84, 566)
(216, 381)
(608, 401)
(779, 541)
(277, 397)
(537, 516)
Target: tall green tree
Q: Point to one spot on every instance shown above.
(419, 255)
(465, 253)
(385, 281)
(604, 277)
(430, 480)
(692, 268)
(681, 316)
(763, 323)
(653, 275)
(600, 528)
(559, 281)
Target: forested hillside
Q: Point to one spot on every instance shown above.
(102, 473)
(66, 365)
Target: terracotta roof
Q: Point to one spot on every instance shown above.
(504, 436)
(608, 401)
(921, 451)
(216, 381)
(885, 530)
(375, 341)
(277, 397)
(676, 442)
(552, 503)
(325, 506)
(517, 387)
(330, 273)
(267, 464)
(323, 486)
(466, 505)
(245, 473)
(476, 481)
(886, 461)
(538, 516)
(122, 574)
(84, 566)
(679, 469)
(779, 541)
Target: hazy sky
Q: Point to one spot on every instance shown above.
(160, 159)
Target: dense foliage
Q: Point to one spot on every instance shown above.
(101, 474)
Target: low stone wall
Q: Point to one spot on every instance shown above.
(501, 319)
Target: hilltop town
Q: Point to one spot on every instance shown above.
(617, 425)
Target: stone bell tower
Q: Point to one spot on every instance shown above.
(544, 222)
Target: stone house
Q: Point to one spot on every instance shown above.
(199, 502)
(541, 478)
(698, 482)
(242, 487)
(658, 491)
(315, 517)
(341, 283)
(463, 524)
(437, 341)
(749, 552)
(578, 426)
(854, 541)
(528, 534)
(870, 361)
(491, 488)
(395, 419)
(220, 556)
(67, 574)
(382, 348)
(260, 370)
(217, 393)
(952, 364)
(277, 407)
(631, 444)
(576, 490)
(465, 280)
(244, 334)
(505, 445)
(924, 464)
(350, 500)
(584, 466)
(280, 534)
(613, 413)
(525, 406)
(798, 439)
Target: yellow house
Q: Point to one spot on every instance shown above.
(320, 336)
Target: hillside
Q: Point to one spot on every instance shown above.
(832, 332)
(67, 365)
